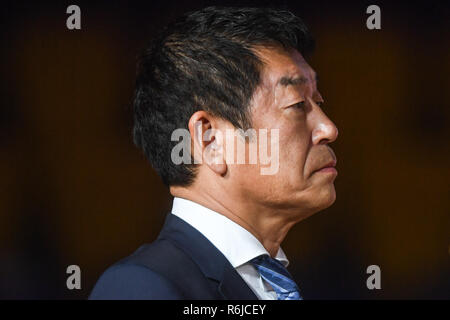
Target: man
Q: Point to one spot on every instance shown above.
(215, 70)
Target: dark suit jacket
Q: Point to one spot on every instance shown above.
(180, 264)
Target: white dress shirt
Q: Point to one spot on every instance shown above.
(237, 244)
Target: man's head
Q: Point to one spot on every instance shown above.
(228, 68)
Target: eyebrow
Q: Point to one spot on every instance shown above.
(289, 80)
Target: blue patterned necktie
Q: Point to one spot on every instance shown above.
(278, 277)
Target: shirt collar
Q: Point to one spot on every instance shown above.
(236, 243)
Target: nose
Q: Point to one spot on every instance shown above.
(324, 130)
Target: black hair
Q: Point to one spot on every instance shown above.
(205, 60)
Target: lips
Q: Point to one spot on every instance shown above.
(328, 167)
(330, 164)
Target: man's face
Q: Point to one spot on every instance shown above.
(288, 99)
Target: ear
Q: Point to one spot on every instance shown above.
(207, 142)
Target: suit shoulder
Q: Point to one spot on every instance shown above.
(158, 256)
(128, 281)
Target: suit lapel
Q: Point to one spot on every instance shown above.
(233, 287)
(209, 259)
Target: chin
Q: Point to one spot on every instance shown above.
(331, 199)
(327, 197)
(308, 201)
(321, 199)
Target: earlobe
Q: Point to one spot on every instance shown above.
(213, 153)
(220, 169)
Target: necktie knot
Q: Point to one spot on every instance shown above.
(276, 274)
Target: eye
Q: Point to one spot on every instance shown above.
(299, 105)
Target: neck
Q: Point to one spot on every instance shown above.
(268, 225)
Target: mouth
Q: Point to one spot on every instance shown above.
(328, 168)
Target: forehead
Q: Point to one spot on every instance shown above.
(280, 64)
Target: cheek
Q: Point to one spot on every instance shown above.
(294, 146)
(248, 181)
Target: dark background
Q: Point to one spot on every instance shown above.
(74, 189)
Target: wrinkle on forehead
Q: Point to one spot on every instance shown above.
(278, 63)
